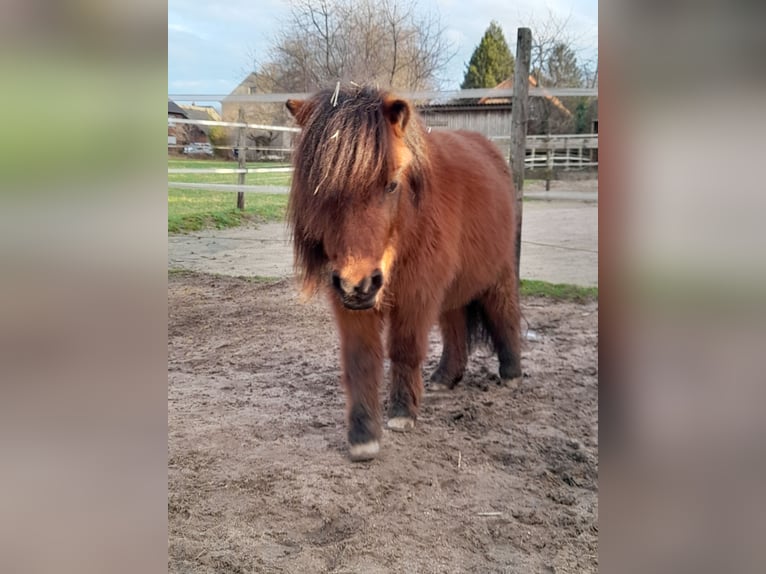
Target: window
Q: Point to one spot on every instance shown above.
(251, 90)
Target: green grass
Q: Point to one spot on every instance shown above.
(281, 178)
(193, 209)
(559, 291)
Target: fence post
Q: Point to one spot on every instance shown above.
(549, 162)
(519, 127)
(242, 157)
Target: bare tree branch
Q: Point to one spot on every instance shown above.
(388, 42)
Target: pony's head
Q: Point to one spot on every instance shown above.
(356, 162)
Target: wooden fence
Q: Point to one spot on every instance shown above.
(545, 157)
(556, 153)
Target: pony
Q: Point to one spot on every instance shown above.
(401, 227)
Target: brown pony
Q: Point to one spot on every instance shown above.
(402, 226)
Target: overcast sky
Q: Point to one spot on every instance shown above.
(209, 40)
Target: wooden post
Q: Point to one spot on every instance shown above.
(242, 157)
(519, 126)
(549, 162)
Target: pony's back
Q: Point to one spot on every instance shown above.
(473, 192)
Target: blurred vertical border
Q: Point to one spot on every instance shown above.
(682, 279)
(83, 404)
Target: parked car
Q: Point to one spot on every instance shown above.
(198, 148)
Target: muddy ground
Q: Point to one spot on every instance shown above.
(559, 244)
(491, 479)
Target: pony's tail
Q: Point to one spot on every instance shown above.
(478, 328)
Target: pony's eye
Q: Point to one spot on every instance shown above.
(391, 187)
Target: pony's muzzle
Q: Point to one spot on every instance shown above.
(359, 296)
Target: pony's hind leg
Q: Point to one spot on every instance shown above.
(502, 317)
(408, 343)
(454, 357)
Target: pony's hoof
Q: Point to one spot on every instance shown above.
(434, 387)
(400, 424)
(364, 451)
(511, 383)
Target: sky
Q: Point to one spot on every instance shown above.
(211, 42)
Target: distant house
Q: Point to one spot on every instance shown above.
(175, 111)
(508, 85)
(488, 119)
(175, 131)
(264, 143)
(491, 115)
(201, 112)
(546, 115)
(180, 135)
(208, 113)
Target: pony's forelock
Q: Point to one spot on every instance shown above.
(342, 154)
(343, 145)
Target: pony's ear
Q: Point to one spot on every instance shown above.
(398, 114)
(295, 107)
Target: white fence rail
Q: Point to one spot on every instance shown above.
(229, 187)
(215, 170)
(562, 152)
(172, 121)
(549, 153)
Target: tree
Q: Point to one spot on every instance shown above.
(491, 61)
(581, 116)
(554, 59)
(219, 139)
(561, 69)
(385, 42)
(554, 64)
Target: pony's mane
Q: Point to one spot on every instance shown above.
(342, 153)
(344, 146)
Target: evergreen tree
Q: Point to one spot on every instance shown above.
(491, 61)
(581, 116)
(561, 68)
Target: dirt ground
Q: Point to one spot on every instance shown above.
(559, 244)
(490, 480)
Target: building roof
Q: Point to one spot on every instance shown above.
(174, 108)
(508, 85)
(201, 113)
(243, 88)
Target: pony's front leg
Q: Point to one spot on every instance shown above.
(408, 344)
(362, 371)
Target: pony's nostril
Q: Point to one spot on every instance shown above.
(367, 287)
(377, 279)
(336, 280)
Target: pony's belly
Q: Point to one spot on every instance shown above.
(465, 289)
